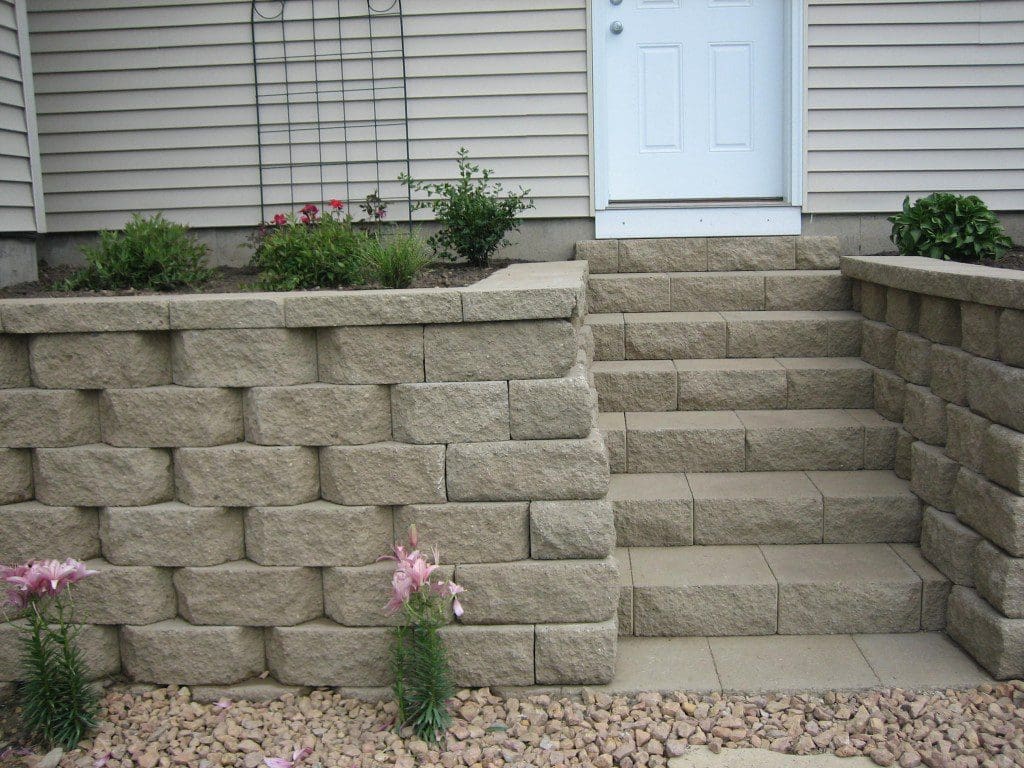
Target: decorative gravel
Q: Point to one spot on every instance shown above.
(164, 727)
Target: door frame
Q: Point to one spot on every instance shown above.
(697, 220)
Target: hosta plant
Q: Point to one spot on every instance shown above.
(57, 703)
(422, 674)
(949, 227)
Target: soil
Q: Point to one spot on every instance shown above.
(238, 280)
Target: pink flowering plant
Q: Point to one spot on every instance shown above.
(57, 704)
(422, 675)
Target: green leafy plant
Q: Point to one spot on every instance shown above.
(419, 662)
(949, 227)
(58, 705)
(311, 251)
(474, 213)
(394, 260)
(151, 254)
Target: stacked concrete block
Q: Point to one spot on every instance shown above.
(945, 340)
(234, 465)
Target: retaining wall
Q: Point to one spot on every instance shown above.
(234, 464)
(947, 341)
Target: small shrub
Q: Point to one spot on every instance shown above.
(949, 227)
(58, 705)
(394, 260)
(474, 213)
(422, 675)
(312, 251)
(150, 254)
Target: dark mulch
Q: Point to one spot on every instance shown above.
(238, 280)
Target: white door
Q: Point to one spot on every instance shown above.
(694, 99)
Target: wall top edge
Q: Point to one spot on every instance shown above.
(947, 279)
(527, 291)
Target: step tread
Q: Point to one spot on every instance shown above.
(733, 364)
(684, 273)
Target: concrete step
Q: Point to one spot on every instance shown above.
(804, 589)
(719, 291)
(748, 441)
(716, 254)
(713, 335)
(733, 383)
(679, 509)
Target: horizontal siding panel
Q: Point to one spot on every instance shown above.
(14, 169)
(917, 119)
(17, 203)
(921, 98)
(891, 202)
(894, 181)
(885, 141)
(917, 160)
(17, 219)
(849, 57)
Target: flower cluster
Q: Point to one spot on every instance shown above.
(40, 578)
(412, 574)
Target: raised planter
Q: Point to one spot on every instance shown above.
(234, 464)
(947, 341)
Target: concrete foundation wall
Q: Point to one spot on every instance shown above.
(17, 260)
(947, 343)
(233, 465)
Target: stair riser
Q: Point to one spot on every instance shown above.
(711, 292)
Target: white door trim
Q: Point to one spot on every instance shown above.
(724, 220)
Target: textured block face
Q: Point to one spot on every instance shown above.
(182, 654)
(355, 597)
(843, 331)
(629, 293)
(784, 334)
(652, 510)
(546, 591)
(98, 475)
(612, 428)
(125, 595)
(14, 368)
(925, 415)
(1000, 580)
(226, 310)
(866, 507)
(243, 475)
(933, 475)
(609, 336)
(171, 534)
(779, 441)
(383, 473)
(997, 391)
(322, 653)
(879, 343)
(561, 530)
(880, 439)
(39, 418)
(739, 253)
(552, 409)
(949, 545)
(99, 646)
(670, 254)
(872, 301)
(34, 531)
(807, 291)
(451, 412)
(817, 252)
(490, 656)
(684, 442)
(1003, 457)
(902, 309)
(15, 475)
(644, 385)
(496, 351)
(317, 414)
(829, 383)
(995, 513)
(949, 373)
(671, 335)
(934, 587)
(157, 417)
(528, 469)
(576, 654)
(979, 325)
(890, 395)
(703, 591)
(965, 438)
(244, 357)
(716, 292)
(318, 533)
(370, 355)
(602, 255)
(488, 532)
(940, 320)
(1011, 337)
(100, 360)
(842, 588)
(913, 358)
(902, 457)
(243, 593)
(997, 643)
(625, 614)
(315, 309)
(728, 384)
(755, 508)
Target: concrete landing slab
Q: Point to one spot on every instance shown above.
(762, 758)
(920, 660)
(663, 664)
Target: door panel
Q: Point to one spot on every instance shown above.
(694, 99)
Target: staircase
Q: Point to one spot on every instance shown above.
(753, 484)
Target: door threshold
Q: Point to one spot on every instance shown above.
(732, 202)
(708, 221)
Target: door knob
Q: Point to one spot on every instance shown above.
(616, 27)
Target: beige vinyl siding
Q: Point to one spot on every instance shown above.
(914, 97)
(150, 105)
(17, 203)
